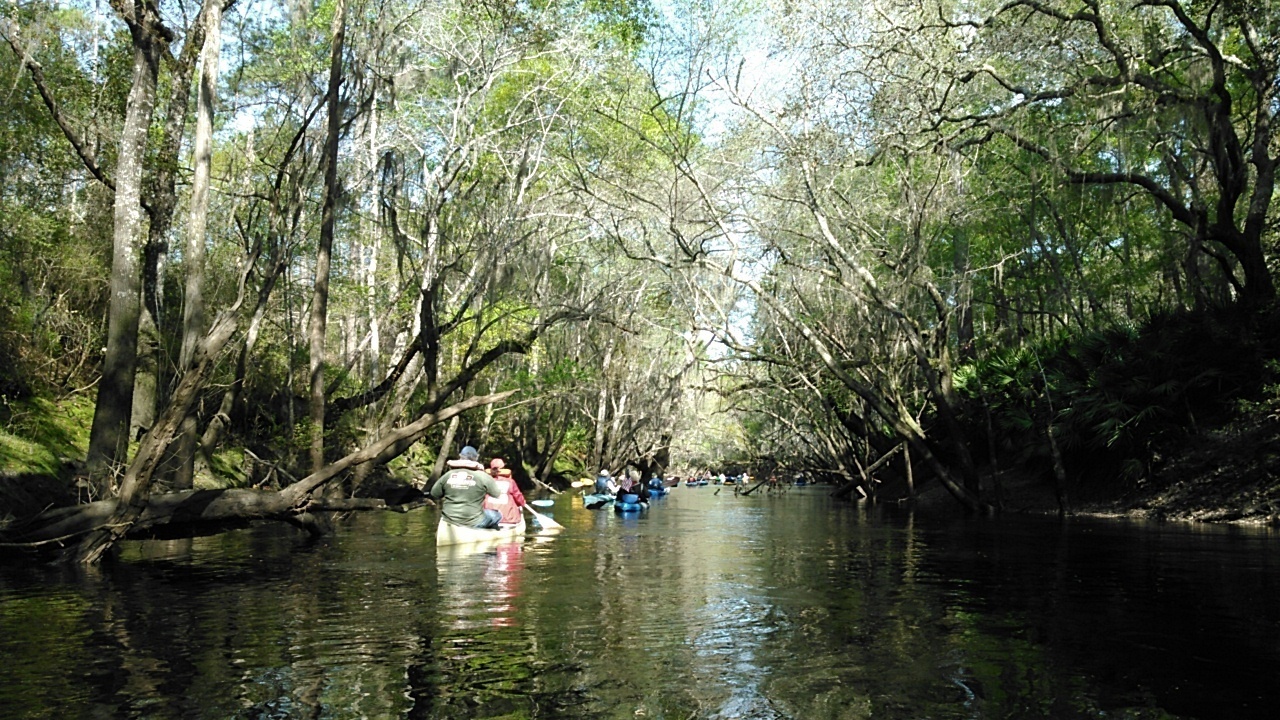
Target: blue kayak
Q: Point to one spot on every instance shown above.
(595, 501)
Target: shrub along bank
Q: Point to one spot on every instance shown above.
(1177, 417)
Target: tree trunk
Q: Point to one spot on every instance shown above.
(135, 489)
(109, 434)
(446, 448)
(961, 264)
(146, 377)
(911, 480)
(193, 311)
(613, 441)
(147, 394)
(602, 406)
(320, 298)
(1259, 288)
(369, 264)
(1059, 469)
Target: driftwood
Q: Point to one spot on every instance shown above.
(847, 489)
(544, 486)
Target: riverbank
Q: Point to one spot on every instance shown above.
(1225, 474)
(1228, 474)
(1222, 474)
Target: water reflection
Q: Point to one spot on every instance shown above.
(703, 607)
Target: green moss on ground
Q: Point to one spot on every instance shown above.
(225, 470)
(39, 440)
(39, 435)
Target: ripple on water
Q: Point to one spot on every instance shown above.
(705, 607)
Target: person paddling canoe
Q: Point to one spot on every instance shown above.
(464, 487)
(511, 501)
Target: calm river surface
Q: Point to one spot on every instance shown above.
(707, 606)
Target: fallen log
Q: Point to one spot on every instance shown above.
(855, 484)
(184, 514)
(201, 512)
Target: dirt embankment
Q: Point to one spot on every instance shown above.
(1229, 474)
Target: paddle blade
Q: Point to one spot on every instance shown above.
(546, 522)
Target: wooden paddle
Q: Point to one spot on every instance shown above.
(546, 522)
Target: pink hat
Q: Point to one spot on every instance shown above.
(497, 464)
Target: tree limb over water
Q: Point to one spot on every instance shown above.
(198, 512)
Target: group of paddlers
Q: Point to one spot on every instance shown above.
(606, 484)
(478, 496)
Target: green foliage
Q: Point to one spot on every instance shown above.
(37, 435)
(15, 382)
(55, 217)
(1267, 404)
(1116, 397)
(226, 468)
(575, 453)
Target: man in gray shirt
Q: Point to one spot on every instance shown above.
(464, 486)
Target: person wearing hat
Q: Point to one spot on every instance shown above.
(602, 483)
(628, 485)
(464, 487)
(510, 503)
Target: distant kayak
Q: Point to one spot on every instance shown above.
(595, 501)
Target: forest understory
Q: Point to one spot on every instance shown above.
(1225, 474)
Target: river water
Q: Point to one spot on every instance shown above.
(706, 606)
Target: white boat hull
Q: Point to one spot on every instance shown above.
(449, 534)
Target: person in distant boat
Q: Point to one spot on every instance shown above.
(628, 486)
(603, 481)
(464, 487)
(511, 502)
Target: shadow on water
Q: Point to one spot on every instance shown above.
(703, 606)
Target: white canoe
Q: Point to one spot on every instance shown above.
(449, 534)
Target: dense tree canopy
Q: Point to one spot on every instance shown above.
(311, 247)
